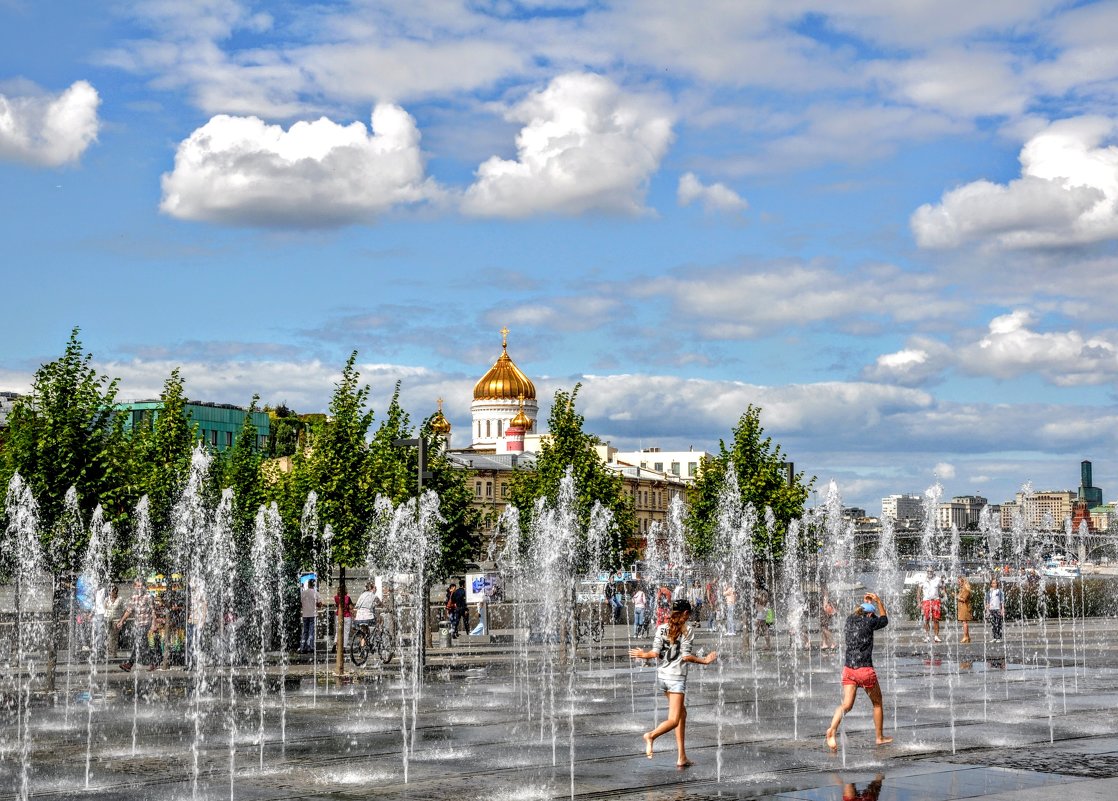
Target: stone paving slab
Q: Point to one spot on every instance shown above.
(489, 733)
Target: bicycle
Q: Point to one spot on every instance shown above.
(375, 639)
(588, 627)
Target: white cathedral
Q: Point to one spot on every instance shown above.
(504, 409)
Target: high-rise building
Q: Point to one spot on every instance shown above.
(1087, 492)
(903, 509)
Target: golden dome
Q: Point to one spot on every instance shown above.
(439, 424)
(504, 381)
(521, 421)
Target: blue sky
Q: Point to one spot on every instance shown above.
(890, 225)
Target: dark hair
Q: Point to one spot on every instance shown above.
(681, 611)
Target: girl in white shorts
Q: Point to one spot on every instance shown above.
(672, 648)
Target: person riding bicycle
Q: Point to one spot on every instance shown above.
(366, 608)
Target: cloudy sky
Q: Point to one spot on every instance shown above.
(891, 225)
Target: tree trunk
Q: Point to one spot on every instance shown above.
(339, 629)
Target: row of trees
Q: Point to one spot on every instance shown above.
(68, 432)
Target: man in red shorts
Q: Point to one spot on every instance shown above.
(931, 590)
(858, 670)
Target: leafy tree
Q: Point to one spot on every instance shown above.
(338, 467)
(242, 473)
(284, 431)
(568, 446)
(460, 538)
(61, 435)
(393, 471)
(166, 441)
(762, 480)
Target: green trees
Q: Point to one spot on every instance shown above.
(569, 446)
(337, 467)
(62, 434)
(762, 481)
(163, 441)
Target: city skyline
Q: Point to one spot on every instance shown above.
(890, 226)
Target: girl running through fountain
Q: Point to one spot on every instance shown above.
(858, 669)
(672, 646)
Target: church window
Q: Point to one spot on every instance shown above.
(500, 428)
(488, 430)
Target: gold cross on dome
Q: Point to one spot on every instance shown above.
(505, 337)
(440, 404)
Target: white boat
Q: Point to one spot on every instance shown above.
(1060, 568)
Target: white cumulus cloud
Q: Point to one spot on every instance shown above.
(713, 197)
(1012, 347)
(241, 170)
(1067, 195)
(585, 146)
(921, 361)
(49, 130)
(944, 471)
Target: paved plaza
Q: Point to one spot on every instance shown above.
(1030, 719)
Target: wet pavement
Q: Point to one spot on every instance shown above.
(1036, 722)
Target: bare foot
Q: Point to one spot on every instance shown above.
(884, 740)
(647, 745)
(684, 764)
(832, 742)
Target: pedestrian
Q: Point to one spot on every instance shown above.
(459, 609)
(663, 605)
(995, 608)
(174, 635)
(114, 610)
(617, 605)
(672, 646)
(826, 616)
(764, 618)
(157, 645)
(640, 611)
(347, 619)
(711, 602)
(930, 604)
(141, 611)
(857, 670)
(100, 597)
(730, 608)
(310, 602)
(963, 608)
(695, 597)
(198, 608)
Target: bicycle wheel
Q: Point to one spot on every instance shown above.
(359, 648)
(596, 628)
(384, 644)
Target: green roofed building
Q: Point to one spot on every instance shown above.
(217, 424)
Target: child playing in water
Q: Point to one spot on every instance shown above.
(672, 646)
(858, 670)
